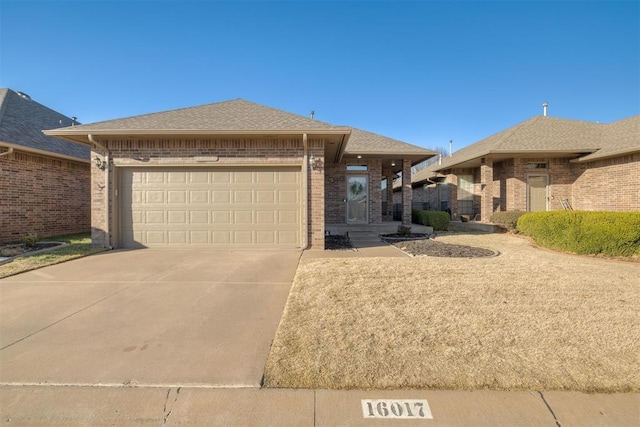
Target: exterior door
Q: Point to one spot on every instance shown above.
(537, 193)
(357, 199)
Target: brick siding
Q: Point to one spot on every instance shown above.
(604, 185)
(607, 185)
(219, 152)
(42, 195)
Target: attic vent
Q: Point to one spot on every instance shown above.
(535, 165)
(24, 95)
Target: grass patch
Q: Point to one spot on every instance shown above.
(79, 245)
(526, 320)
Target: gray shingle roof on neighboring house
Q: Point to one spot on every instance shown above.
(587, 141)
(22, 121)
(618, 138)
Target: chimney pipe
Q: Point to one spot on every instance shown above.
(311, 114)
(450, 147)
(544, 109)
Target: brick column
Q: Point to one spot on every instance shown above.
(406, 192)
(100, 208)
(486, 191)
(388, 173)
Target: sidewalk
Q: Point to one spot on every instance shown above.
(185, 406)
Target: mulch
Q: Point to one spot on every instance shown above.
(20, 249)
(337, 242)
(429, 247)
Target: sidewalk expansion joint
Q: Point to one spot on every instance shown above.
(558, 424)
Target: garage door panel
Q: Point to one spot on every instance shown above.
(176, 196)
(199, 196)
(199, 217)
(242, 196)
(288, 196)
(222, 208)
(221, 196)
(176, 177)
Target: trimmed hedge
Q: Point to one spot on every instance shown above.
(507, 219)
(437, 219)
(585, 232)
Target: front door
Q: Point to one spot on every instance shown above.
(537, 193)
(357, 199)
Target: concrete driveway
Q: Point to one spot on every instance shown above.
(146, 317)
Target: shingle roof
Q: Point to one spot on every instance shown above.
(239, 115)
(363, 142)
(550, 135)
(22, 121)
(618, 138)
(235, 115)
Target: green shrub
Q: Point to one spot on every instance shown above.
(582, 232)
(29, 241)
(436, 219)
(507, 219)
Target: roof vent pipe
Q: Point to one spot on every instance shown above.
(544, 109)
(450, 147)
(311, 114)
(24, 95)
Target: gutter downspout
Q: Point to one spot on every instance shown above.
(304, 243)
(6, 153)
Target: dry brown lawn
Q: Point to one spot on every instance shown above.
(529, 319)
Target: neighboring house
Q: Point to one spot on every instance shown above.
(235, 174)
(44, 181)
(541, 164)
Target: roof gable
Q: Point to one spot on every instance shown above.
(22, 121)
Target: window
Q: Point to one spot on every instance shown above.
(358, 168)
(465, 194)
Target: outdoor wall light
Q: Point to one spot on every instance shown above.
(99, 163)
(315, 163)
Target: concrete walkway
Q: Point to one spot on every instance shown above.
(71, 405)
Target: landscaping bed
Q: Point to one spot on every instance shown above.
(337, 242)
(18, 249)
(434, 248)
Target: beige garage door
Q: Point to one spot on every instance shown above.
(237, 207)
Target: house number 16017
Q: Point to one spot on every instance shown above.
(396, 408)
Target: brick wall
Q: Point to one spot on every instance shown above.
(213, 152)
(607, 185)
(42, 195)
(611, 184)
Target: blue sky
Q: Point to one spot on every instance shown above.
(423, 72)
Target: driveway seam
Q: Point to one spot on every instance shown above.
(67, 317)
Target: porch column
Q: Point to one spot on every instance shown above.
(406, 192)
(486, 190)
(388, 173)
